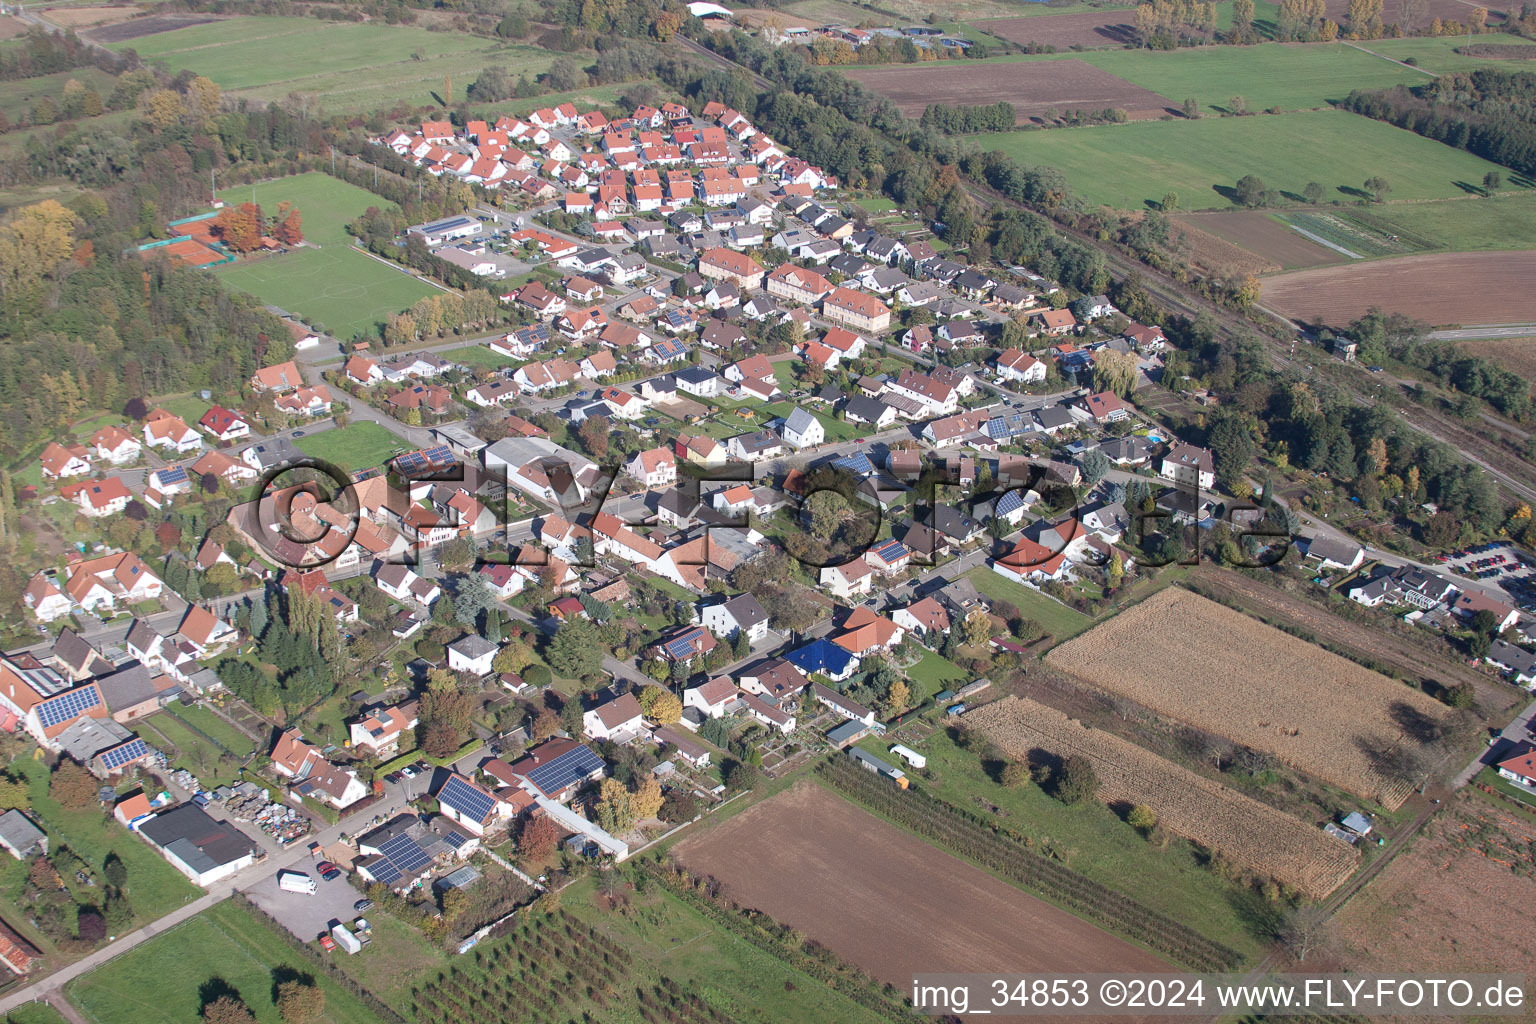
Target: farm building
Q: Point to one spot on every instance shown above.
(872, 763)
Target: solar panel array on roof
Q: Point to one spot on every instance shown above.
(682, 647)
(173, 475)
(129, 752)
(426, 459)
(65, 706)
(576, 763)
(405, 854)
(857, 463)
(470, 802)
(384, 871)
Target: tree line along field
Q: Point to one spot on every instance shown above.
(349, 66)
(1130, 165)
(1253, 835)
(887, 901)
(326, 281)
(1201, 663)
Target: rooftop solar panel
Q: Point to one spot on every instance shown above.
(173, 475)
(125, 754)
(574, 764)
(384, 871)
(405, 854)
(466, 799)
(67, 705)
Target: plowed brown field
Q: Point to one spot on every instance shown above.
(1260, 233)
(1439, 288)
(1033, 87)
(1093, 28)
(887, 901)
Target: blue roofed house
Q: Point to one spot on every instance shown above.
(824, 656)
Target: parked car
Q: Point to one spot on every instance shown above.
(362, 905)
(327, 943)
(328, 871)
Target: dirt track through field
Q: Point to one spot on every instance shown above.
(889, 902)
(1438, 288)
(1034, 88)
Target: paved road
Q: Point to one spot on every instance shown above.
(1488, 331)
(253, 876)
(1517, 731)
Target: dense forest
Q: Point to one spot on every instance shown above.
(964, 120)
(1489, 112)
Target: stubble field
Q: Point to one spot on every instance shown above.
(1438, 288)
(1093, 28)
(1194, 660)
(1032, 87)
(1255, 835)
(887, 901)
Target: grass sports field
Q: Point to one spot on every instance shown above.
(360, 445)
(348, 67)
(164, 980)
(345, 290)
(1131, 164)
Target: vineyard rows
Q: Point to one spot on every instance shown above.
(1253, 835)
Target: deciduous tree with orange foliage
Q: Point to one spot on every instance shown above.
(239, 227)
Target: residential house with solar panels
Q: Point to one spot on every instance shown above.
(557, 769)
(393, 854)
(379, 731)
(470, 805)
(685, 643)
(42, 701)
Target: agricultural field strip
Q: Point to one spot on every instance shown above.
(1442, 289)
(1187, 657)
(1253, 834)
(792, 856)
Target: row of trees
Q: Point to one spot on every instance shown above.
(1489, 112)
(1165, 24)
(961, 119)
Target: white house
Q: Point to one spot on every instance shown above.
(1187, 464)
(802, 430)
(656, 467)
(471, 653)
(742, 613)
(853, 579)
(618, 719)
(711, 698)
(1018, 365)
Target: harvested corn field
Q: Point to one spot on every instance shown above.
(1217, 669)
(1251, 834)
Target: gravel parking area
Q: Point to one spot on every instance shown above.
(308, 917)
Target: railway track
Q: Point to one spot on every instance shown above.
(1515, 476)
